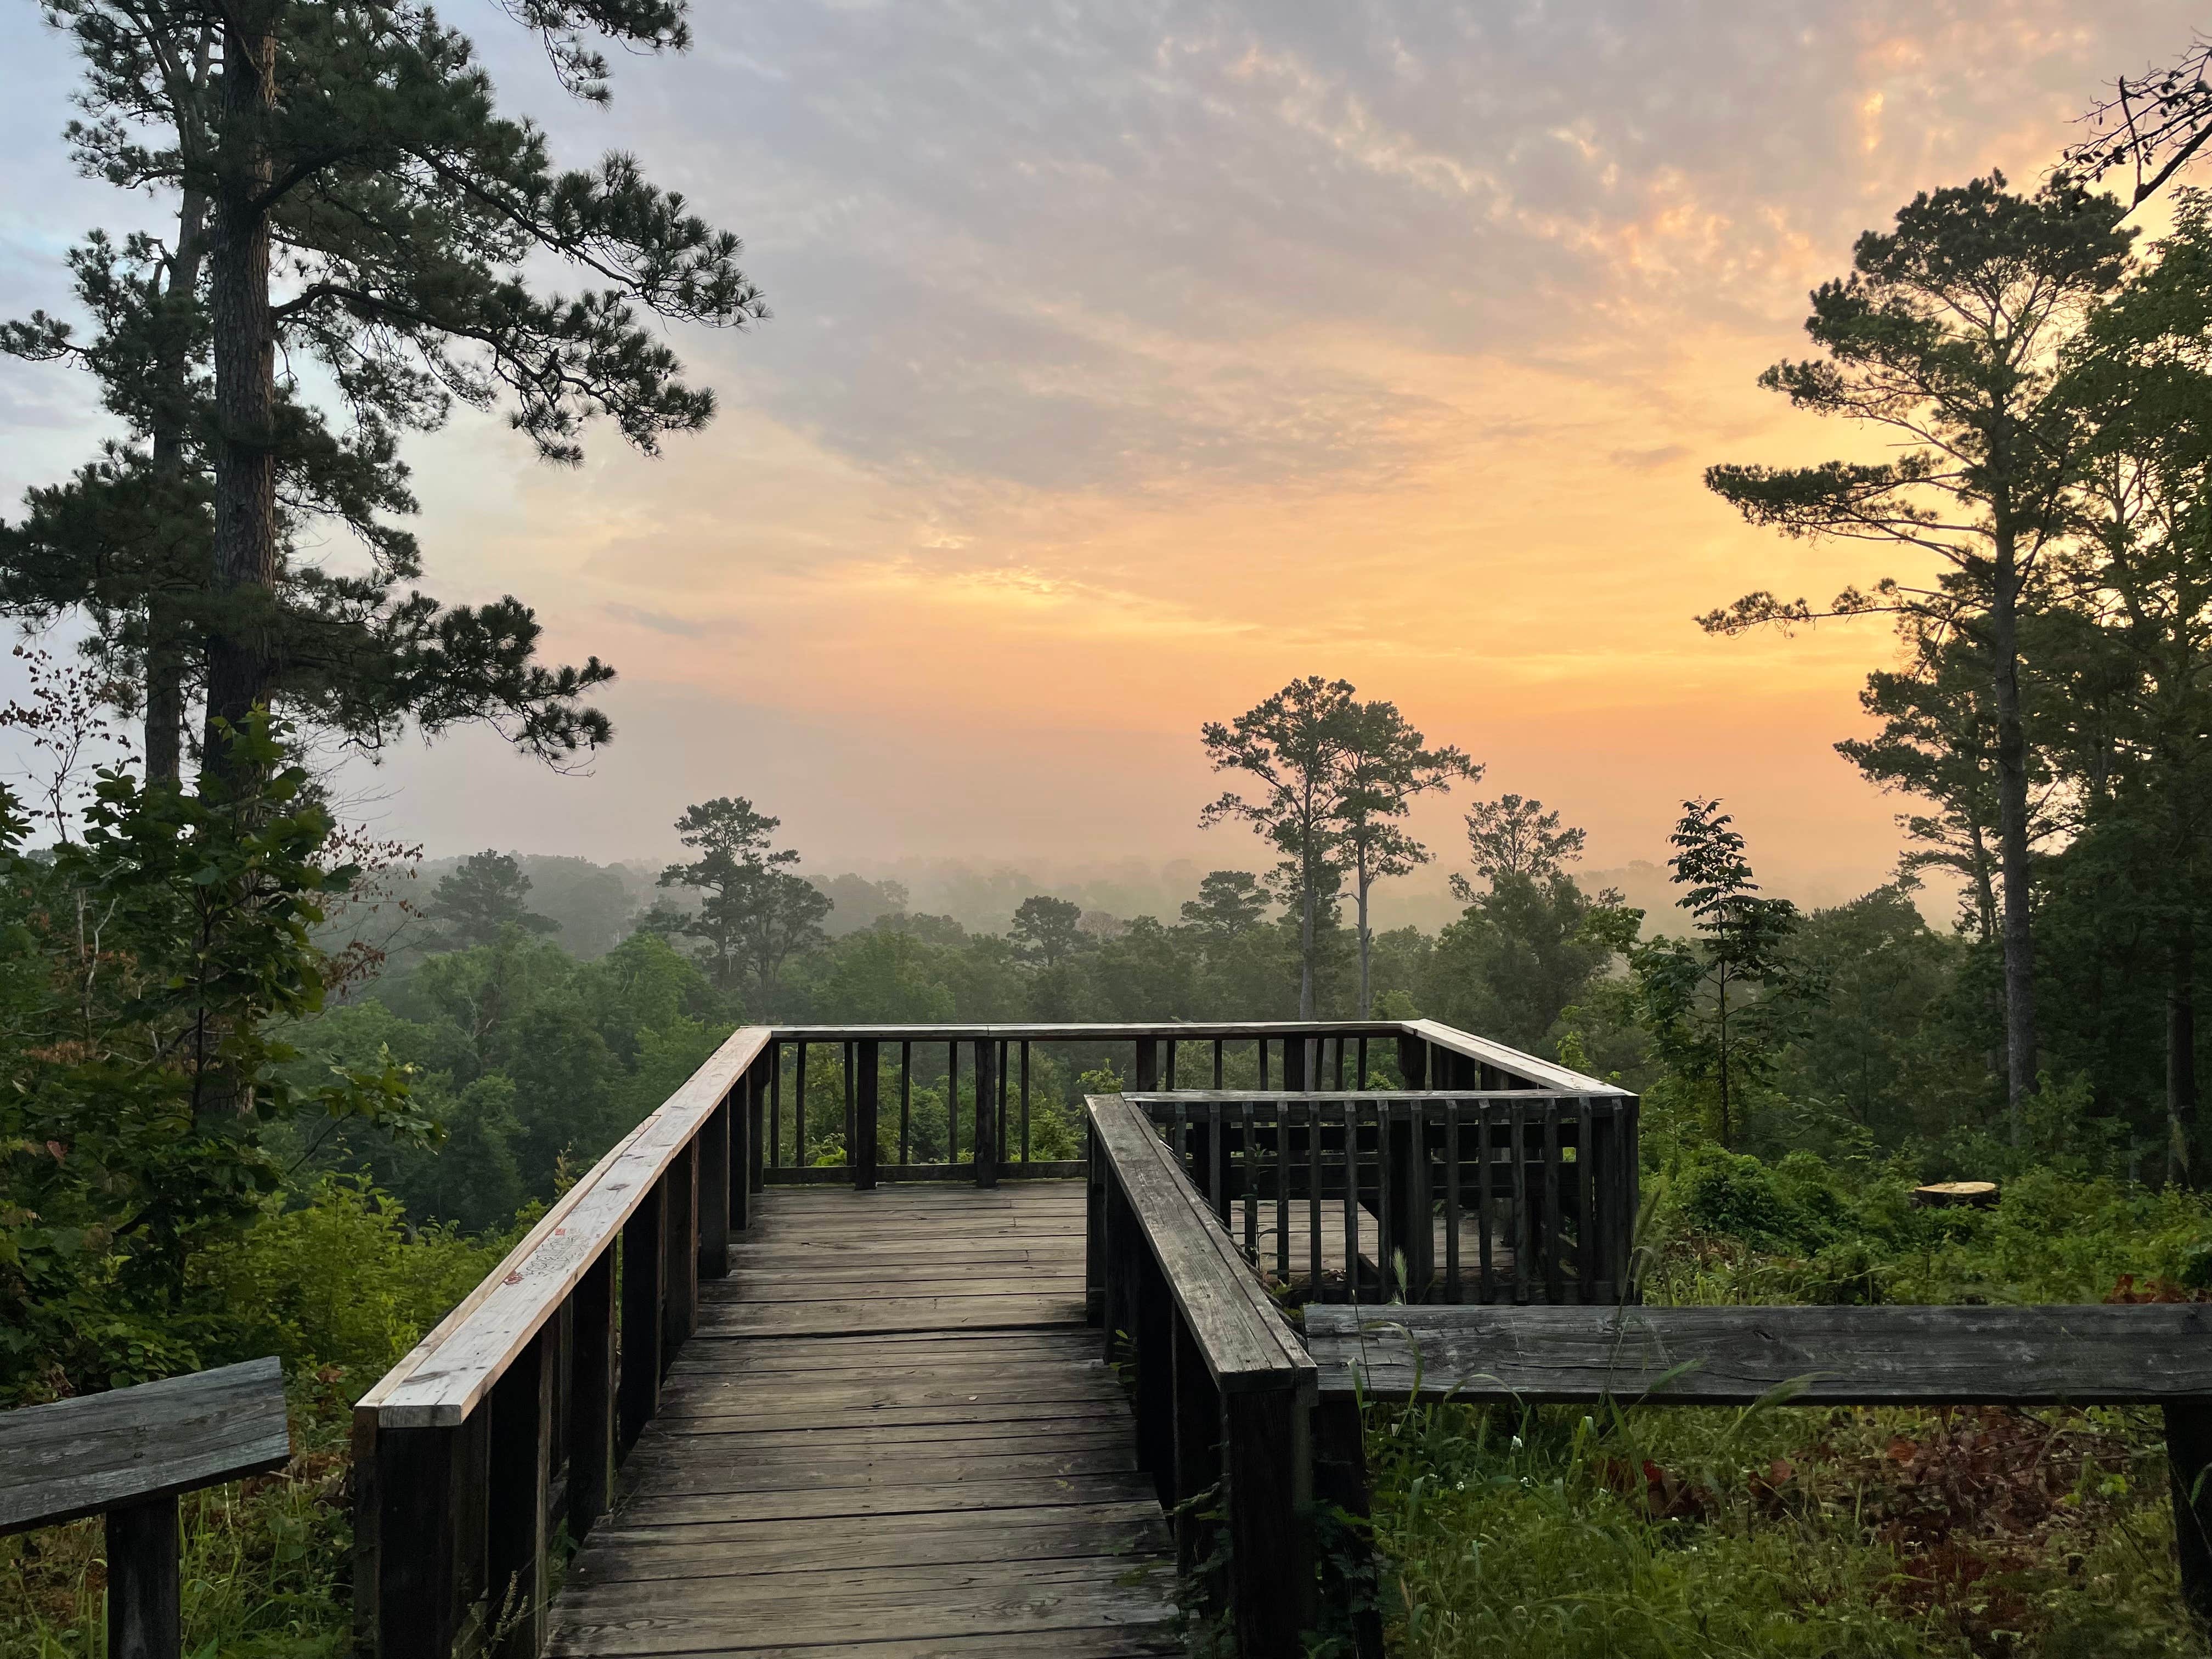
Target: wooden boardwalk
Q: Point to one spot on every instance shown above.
(891, 1436)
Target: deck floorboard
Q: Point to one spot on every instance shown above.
(891, 1436)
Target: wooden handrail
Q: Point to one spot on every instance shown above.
(1243, 1339)
(448, 1373)
(1224, 1390)
(127, 1453)
(2092, 1354)
(2086, 1355)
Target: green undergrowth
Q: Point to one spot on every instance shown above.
(1681, 1533)
(339, 1285)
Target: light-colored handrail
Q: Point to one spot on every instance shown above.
(447, 1373)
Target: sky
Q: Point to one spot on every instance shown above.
(1129, 359)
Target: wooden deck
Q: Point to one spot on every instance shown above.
(892, 1434)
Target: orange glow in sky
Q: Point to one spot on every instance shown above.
(1128, 362)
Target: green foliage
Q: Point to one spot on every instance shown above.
(478, 901)
(754, 913)
(155, 962)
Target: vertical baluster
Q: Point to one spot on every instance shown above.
(680, 1307)
(986, 1126)
(998, 1100)
(1339, 1072)
(868, 1141)
(952, 1103)
(644, 1274)
(1216, 1185)
(1516, 1128)
(1262, 1046)
(1025, 1101)
(1554, 1283)
(714, 1158)
(849, 1126)
(1172, 1046)
(1248, 1186)
(906, 1099)
(1313, 1201)
(1350, 1198)
(1360, 1056)
(1451, 1200)
(519, 1489)
(1148, 1065)
(1283, 1192)
(1482, 1197)
(592, 1398)
(1217, 1062)
(774, 1102)
(799, 1105)
(1386, 1211)
(1587, 1269)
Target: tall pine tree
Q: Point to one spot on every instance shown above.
(347, 195)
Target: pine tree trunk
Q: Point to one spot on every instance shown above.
(1366, 1001)
(2012, 835)
(2181, 1053)
(168, 641)
(241, 643)
(1306, 945)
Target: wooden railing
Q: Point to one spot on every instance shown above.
(1223, 1389)
(513, 1413)
(1813, 1357)
(126, 1454)
(1514, 1195)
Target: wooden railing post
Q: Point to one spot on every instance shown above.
(861, 1154)
(763, 1077)
(680, 1305)
(714, 1189)
(644, 1277)
(1094, 1236)
(1152, 1318)
(1297, 1073)
(1414, 1062)
(2189, 1463)
(1148, 1063)
(1198, 1421)
(520, 1492)
(1340, 1480)
(420, 1475)
(144, 1590)
(592, 1397)
(1268, 1463)
(987, 1120)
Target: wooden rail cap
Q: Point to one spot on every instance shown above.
(2088, 1355)
(80, 1458)
(1246, 1343)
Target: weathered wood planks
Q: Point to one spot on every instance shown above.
(83, 1456)
(880, 1438)
(2088, 1355)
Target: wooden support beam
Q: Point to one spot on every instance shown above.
(1197, 1423)
(1267, 1463)
(1342, 1501)
(680, 1303)
(714, 1189)
(644, 1277)
(592, 1397)
(419, 1512)
(144, 1605)
(1148, 1062)
(519, 1494)
(861, 1154)
(986, 1119)
(2189, 1462)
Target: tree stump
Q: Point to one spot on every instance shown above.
(1953, 1194)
